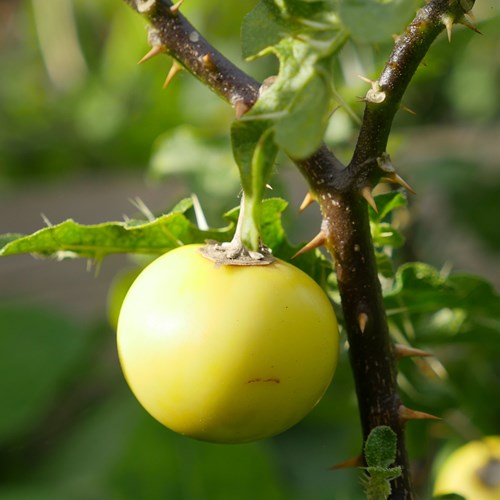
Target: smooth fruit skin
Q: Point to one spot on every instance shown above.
(473, 471)
(226, 354)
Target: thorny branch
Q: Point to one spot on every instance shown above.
(339, 191)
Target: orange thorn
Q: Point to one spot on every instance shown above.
(362, 321)
(308, 201)
(176, 67)
(405, 351)
(155, 50)
(350, 462)
(405, 414)
(397, 179)
(318, 241)
(209, 62)
(366, 193)
(175, 8)
(240, 108)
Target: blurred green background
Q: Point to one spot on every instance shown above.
(84, 130)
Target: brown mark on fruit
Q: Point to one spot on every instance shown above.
(272, 380)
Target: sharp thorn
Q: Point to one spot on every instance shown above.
(367, 80)
(208, 61)
(397, 179)
(405, 351)
(176, 67)
(308, 201)
(351, 462)
(469, 25)
(201, 220)
(362, 321)
(46, 220)
(448, 24)
(157, 49)
(175, 8)
(407, 109)
(240, 108)
(366, 193)
(405, 414)
(318, 241)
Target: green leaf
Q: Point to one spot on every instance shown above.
(300, 101)
(380, 453)
(8, 237)
(386, 203)
(383, 234)
(380, 447)
(372, 21)
(70, 239)
(293, 112)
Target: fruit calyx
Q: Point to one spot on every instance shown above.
(234, 253)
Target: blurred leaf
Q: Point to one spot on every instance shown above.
(38, 351)
(173, 466)
(193, 153)
(460, 315)
(116, 450)
(422, 289)
(371, 21)
(385, 235)
(385, 265)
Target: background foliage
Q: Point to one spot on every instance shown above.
(75, 108)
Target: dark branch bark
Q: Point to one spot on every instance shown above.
(345, 217)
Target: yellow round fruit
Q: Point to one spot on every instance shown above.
(473, 471)
(226, 354)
